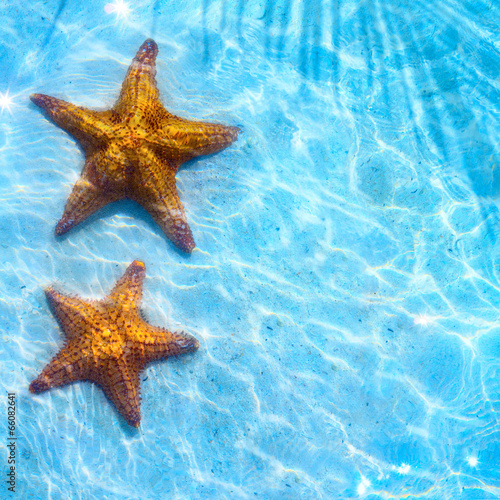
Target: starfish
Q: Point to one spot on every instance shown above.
(109, 343)
(134, 150)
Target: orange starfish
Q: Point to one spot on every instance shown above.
(108, 343)
(134, 150)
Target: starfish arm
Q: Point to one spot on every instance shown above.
(182, 140)
(84, 200)
(121, 385)
(75, 316)
(139, 87)
(83, 124)
(160, 343)
(154, 188)
(129, 287)
(67, 366)
(102, 182)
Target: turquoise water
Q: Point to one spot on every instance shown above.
(345, 287)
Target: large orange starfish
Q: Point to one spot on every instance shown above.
(108, 343)
(134, 150)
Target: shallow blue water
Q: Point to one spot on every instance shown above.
(345, 287)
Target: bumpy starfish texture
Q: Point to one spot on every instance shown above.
(134, 150)
(108, 343)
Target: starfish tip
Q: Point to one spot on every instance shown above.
(185, 242)
(190, 247)
(36, 387)
(53, 298)
(63, 226)
(234, 132)
(137, 268)
(147, 51)
(188, 343)
(38, 99)
(149, 43)
(133, 419)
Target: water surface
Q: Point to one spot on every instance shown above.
(345, 288)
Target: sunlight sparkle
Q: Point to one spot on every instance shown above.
(403, 468)
(6, 102)
(423, 319)
(120, 7)
(363, 486)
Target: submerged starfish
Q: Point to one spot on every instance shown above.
(108, 343)
(134, 150)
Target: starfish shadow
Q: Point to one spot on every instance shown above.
(132, 209)
(125, 208)
(135, 431)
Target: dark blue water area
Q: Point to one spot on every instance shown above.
(344, 288)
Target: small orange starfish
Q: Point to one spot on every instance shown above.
(108, 343)
(134, 150)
